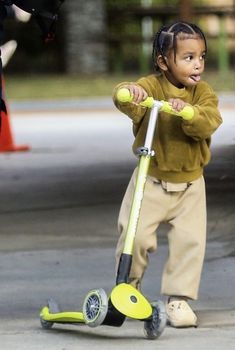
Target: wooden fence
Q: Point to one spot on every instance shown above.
(127, 41)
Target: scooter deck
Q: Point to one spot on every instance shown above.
(130, 302)
(61, 317)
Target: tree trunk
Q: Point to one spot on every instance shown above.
(186, 10)
(85, 29)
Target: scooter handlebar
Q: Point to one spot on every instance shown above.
(124, 95)
(187, 113)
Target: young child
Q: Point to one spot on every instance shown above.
(175, 188)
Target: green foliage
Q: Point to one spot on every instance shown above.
(65, 86)
(122, 3)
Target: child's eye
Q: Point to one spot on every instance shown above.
(189, 58)
(203, 57)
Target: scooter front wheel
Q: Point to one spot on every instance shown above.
(154, 327)
(95, 307)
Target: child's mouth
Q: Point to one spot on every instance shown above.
(195, 78)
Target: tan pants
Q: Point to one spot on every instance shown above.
(185, 211)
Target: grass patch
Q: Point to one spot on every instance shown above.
(60, 86)
(65, 86)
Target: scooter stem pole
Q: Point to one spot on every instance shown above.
(151, 125)
(141, 180)
(144, 162)
(136, 204)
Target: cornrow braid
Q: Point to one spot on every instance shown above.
(166, 39)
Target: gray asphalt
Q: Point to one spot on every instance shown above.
(58, 209)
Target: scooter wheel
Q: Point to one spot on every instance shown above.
(46, 324)
(154, 327)
(53, 308)
(95, 307)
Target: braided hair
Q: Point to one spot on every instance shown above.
(165, 39)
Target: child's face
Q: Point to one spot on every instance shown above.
(186, 67)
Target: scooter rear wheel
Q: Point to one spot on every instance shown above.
(46, 324)
(53, 308)
(154, 327)
(95, 307)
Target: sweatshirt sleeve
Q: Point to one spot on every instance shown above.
(206, 118)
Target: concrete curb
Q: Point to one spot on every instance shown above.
(216, 318)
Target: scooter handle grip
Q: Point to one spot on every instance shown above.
(187, 113)
(124, 95)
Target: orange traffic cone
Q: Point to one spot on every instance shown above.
(6, 138)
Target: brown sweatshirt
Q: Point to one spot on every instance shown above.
(181, 147)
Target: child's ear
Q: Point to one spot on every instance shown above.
(161, 62)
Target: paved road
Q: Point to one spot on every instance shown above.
(58, 210)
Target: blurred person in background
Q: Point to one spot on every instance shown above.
(44, 12)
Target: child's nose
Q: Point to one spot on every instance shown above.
(198, 64)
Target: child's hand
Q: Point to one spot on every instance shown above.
(137, 92)
(177, 104)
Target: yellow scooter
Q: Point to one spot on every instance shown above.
(124, 301)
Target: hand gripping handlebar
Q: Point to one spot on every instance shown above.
(187, 113)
